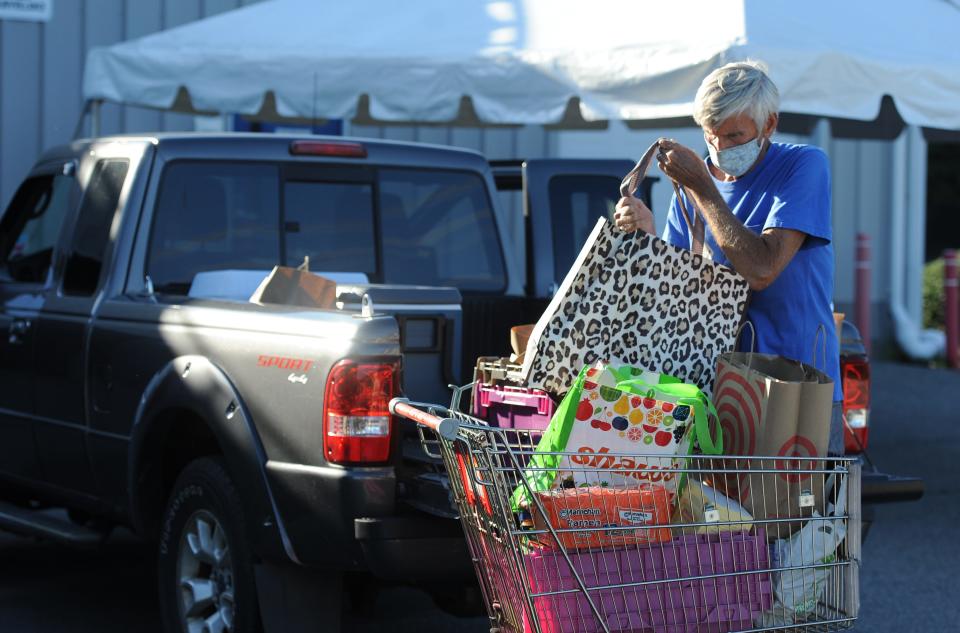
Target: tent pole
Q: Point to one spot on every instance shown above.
(78, 130)
(95, 117)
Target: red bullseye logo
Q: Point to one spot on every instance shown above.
(796, 446)
(740, 409)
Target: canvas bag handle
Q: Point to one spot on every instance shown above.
(753, 341)
(821, 330)
(821, 335)
(630, 182)
(687, 395)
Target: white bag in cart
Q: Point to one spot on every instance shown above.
(798, 591)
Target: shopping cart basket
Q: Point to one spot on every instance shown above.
(566, 561)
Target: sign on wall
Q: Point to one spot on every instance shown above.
(30, 10)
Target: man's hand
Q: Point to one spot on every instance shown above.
(633, 215)
(759, 258)
(683, 165)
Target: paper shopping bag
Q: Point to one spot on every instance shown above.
(292, 286)
(772, 406)
(621, 426)
(635, 300)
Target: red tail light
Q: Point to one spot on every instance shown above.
(356, 418)
(856, 402)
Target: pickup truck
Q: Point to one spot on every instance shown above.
(250, 442)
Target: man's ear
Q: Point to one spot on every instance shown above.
(771, 125)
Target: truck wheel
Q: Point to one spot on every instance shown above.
(205, 563)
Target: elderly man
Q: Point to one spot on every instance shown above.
(766, 208)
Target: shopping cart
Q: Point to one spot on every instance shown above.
(553, 562)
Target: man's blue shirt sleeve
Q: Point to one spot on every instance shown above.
(802, 202)
(675, 232)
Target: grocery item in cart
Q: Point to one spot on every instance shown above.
(610, 416)
(506, 406)
(701, 504)
(519, 335)
(729, 600)
(499, 399)
(602, 516)
(810, 553)
(636, 300)
(771, 405)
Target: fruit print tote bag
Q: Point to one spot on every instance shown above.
(622, 426)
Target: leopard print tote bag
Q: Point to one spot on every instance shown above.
(633, 299)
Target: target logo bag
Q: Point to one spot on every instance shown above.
(773, 406)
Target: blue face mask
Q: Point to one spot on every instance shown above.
(736, 161)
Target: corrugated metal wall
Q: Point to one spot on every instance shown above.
(861, 204)
(41, 70)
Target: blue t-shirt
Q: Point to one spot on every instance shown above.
(789, 189)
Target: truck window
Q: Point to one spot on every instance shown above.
(575, 204)
(30, 226)
(438, 229)
(213, 216)
(92, 233)
(332, 223)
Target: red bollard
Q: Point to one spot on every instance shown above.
(951, 310)
(862, 289)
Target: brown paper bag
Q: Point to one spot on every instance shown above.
(772, 406)
(292, 286)
(519, 335)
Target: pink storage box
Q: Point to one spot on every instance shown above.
(510, 407)
(714, 605)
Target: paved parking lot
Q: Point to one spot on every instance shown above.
(909, 581)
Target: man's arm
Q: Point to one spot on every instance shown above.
(759, 258)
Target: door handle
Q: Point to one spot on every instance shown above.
(18, 329)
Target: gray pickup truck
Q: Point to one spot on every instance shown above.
(252, 442)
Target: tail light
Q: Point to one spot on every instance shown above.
(855, 371)
(357, 424)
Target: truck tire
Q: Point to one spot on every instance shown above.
(205, 565)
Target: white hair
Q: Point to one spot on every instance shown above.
(733, 89)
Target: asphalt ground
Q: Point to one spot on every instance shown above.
(908, 579)
(911, 559)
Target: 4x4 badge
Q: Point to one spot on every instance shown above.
(302, 378)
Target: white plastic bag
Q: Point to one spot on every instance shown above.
(797, 591)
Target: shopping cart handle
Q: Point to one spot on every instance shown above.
(445, 427)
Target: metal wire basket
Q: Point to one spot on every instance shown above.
(633, 558)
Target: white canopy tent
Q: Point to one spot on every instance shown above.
(521, 61)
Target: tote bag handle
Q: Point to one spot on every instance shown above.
(687, 395)
(630, 182)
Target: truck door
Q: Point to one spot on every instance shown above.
(28, 235)
(562, 200)
(63, 368)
